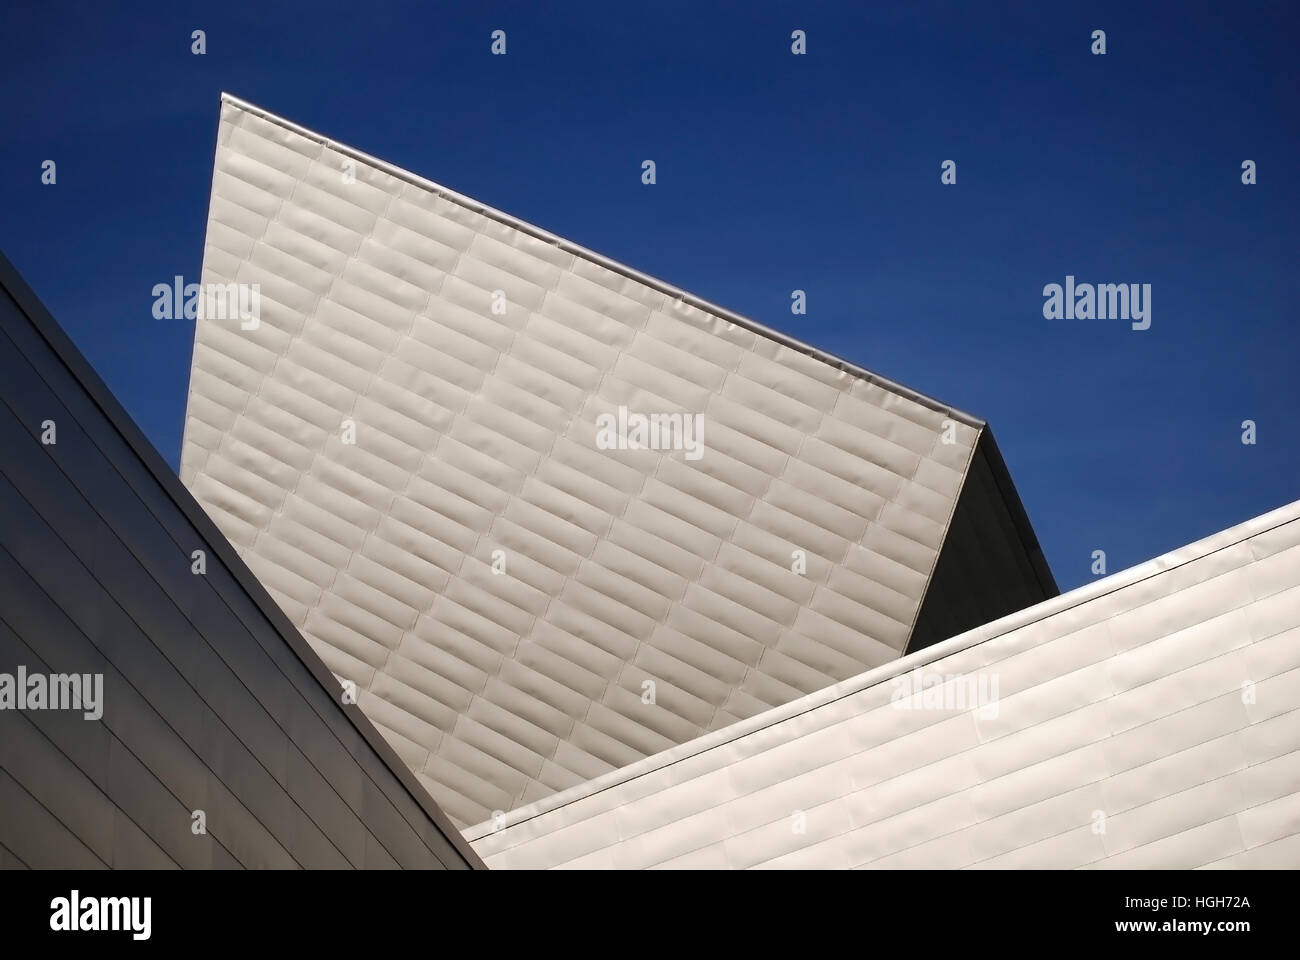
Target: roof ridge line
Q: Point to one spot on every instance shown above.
(609, 263)
(1172, 560)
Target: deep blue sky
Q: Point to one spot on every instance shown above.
(775, 172)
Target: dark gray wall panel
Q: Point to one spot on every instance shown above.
(990, 564)
(9, 860)
(96, 747)
(35, 835)
(58, 784)
(233, 599)
(211, 700)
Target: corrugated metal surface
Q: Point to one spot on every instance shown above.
(210, 701)
(475, 432)
(1150, 720)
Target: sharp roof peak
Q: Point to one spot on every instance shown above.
(609, 263)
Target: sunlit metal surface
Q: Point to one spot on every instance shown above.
(499, 588)
(1149, 720)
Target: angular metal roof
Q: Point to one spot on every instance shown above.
(209, 699)
(1148, 720)
(500, 587)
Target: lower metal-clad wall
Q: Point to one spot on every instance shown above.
(186, 725)
(1149, 720)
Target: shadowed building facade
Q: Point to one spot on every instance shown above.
(223, 742)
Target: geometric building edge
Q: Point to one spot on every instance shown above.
(1145, 720)
(473, 447)
(222, 740)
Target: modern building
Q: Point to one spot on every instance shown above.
(157, 709)
(489, 550)
(1148, 720)
(426, 447)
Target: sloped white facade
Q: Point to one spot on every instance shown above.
(1149, 720)
(475, 446)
